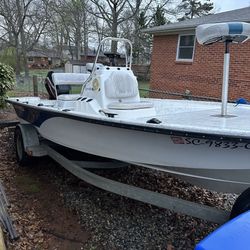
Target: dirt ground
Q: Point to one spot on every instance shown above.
(37, 207)
(53, 209)
(7, 115)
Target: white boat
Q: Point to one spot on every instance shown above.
(205, 143)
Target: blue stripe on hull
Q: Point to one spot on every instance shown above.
(34, 116)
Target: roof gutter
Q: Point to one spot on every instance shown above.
(169, 31)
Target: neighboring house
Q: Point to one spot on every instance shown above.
(179, 64)
(106, 58)
(39, 58)
(70, 54)
(91, 55)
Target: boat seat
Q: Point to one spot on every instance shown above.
(123, 87)
(69, 78)
(121, 84)
(69, 97)
(130, 105)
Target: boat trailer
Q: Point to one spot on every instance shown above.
(29, 144)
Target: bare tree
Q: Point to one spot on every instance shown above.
(56, 35)
(114, 13)
(12, 23)
(72, 16)
(23, 22)
(98, 29)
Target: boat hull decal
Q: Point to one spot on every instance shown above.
(210, 143)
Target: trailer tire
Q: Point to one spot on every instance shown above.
(242, 204)
(22, 157)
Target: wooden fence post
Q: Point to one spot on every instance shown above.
(35, 85)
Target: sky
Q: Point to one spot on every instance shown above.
(225, 5)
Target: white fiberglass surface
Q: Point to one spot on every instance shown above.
(182, 115)
(203, 117)
(169, 106)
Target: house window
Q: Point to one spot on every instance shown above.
(185, 50)
(30, 59)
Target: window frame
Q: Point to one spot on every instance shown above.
(178, 48)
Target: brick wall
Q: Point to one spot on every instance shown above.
(203, 77)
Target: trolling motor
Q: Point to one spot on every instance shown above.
(232, 32)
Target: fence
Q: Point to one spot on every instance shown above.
(173, 95)
(34, 85)
(25, 86)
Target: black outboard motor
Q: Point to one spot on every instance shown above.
(55, 91)
(50, 87)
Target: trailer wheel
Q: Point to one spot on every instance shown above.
(22, 157)
(242, 204)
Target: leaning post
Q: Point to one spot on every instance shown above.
(224, 96)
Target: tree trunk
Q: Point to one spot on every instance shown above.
(26, 67)
(24, 55)
(78, 39)
(137, 39)
(18, 66)
(85, 36)
(114, 34)
(21, 14)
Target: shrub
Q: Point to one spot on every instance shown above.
(7, 81)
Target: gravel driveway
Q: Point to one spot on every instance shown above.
(122, 223)
(115, 222)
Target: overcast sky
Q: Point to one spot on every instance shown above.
(224, 5)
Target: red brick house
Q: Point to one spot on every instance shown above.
(38, 58)
(180, 65)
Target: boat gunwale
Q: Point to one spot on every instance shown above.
(151, 128)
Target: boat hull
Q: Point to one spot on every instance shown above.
(221, 165)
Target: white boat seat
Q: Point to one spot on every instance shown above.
(130, 105)
(69, 97)
(69, 78)
(121, 84)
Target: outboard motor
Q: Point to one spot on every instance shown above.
(50, 87)
(53, 90)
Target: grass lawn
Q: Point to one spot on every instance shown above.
(39, 72)
(143, 84)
